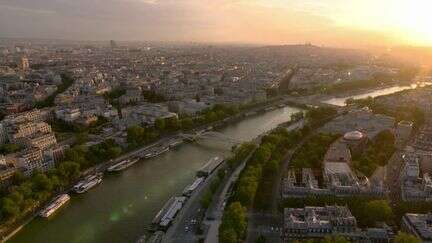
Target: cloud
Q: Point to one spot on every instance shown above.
(256, 21)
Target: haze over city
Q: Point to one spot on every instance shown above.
(338, 23)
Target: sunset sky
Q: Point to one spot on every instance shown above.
(322, 22)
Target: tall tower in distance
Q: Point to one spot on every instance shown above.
(113, 44)
(25, 64)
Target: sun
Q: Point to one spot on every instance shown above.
(407, 21)
(413, 19)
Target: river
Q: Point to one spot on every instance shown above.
(120, 209)
(340, 101)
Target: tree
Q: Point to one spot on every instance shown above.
(317, 116)
(152, 97)
(335, 239)
(9, 148)
(160, 124)
(206, 199)
(77, 155)
(234, 223)
(69, 170)
(18, 178)
(406, 238)
(297, 116)
(236, 218)
(10, 210)
(228, 236)
(261, 239)
(377, 210)
(172, 124)
(221, 174)
(81, 138)
(186, 123)
(135, 135)
(210, 117)
(41, 182)
(262, 155)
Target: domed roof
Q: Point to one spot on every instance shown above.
(354, 135)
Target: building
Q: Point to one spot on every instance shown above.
(403, 132)
(144, 114)
(187, 107)
(68, 115)
(55, 154)
(356, 141)
(362, 120)
(32, 159)
(338, 152)
(338, 179)
(7, 170)
(3, 135)
(35, 115)
(27, 129)
(132, 96)
(419, 225)
(41, 141)
(413, 186)
(25, 64)
(423, 141)
(113, 44)
(319, 222)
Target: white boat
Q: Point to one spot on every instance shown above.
(251, 113)
(156, 152)
(175, 142)
(122, 165)
(269, 108)
(148, 155)
(56, 204)
(162, 150)
(88, 183)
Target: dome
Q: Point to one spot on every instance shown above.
(353, 136)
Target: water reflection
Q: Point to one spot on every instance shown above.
(373, 94)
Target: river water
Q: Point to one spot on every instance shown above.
(120, 209)
(373, 94)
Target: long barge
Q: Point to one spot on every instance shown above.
(166, 215)
(122, 165)
(191, 188)
(210, 166)
(155, 152)
(54, 205)
(88, 183)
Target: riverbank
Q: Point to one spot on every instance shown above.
(180, 171)
(8, 233)
(339, 99)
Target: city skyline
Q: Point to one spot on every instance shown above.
(329, 22)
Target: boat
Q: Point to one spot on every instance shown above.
(148, 155)
(156, 152)
(269, 108)
(88, 183)
(251, 113)
(56, 204)
(122, 165)
(174, 143)
(162, 150)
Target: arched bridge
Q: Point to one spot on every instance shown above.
(209, 135)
